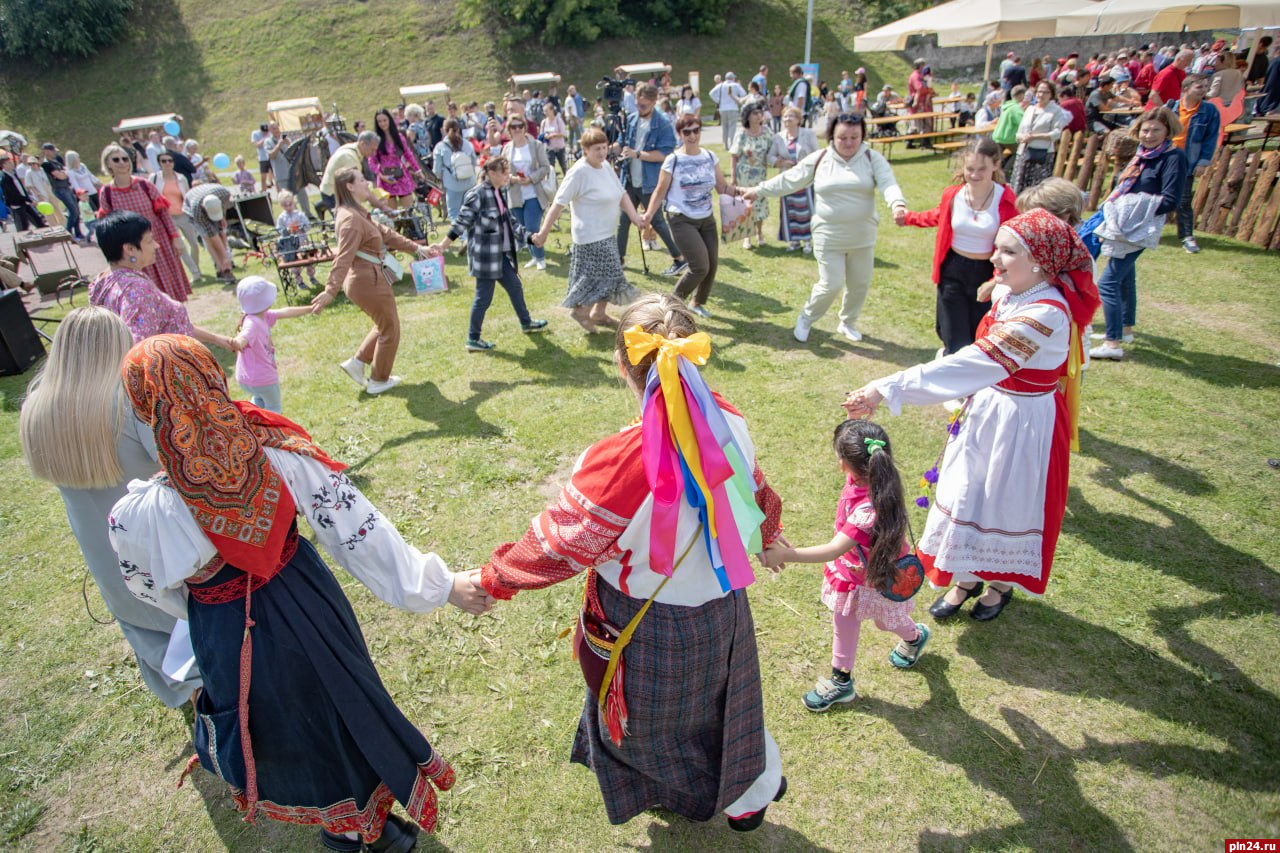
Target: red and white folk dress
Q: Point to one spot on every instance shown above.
(1002, 484)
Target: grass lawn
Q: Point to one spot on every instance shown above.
(1130, 708)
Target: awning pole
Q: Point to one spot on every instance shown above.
(986, 71)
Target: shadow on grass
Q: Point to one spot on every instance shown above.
(678, 835)
(552, 364)
(1226, 370)
(451, 419)
(1050, 802)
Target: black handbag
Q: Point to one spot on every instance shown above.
(1037, 155)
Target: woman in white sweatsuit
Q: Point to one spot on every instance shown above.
(845, 176)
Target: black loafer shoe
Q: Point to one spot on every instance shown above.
(398, 836)
(987, 612)
(340, 843)
(943, 609)
(750, 822)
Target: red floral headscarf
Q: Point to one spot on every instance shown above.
(211, 449)
(1062, 258)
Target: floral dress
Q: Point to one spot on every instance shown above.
(142, 197)
(752, 168)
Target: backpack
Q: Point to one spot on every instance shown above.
(463, 169)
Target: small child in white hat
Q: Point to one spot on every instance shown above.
(256, 361)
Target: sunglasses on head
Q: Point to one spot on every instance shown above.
(691, 131)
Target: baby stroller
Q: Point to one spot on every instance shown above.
(880, 109)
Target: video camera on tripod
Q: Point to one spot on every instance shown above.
(615, 120)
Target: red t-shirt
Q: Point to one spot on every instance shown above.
(1168, 85)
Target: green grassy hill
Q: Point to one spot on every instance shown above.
(217, 64)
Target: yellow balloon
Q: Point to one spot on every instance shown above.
(45, 207)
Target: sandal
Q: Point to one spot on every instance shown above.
(604, 320)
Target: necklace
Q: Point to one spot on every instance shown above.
(974, 209)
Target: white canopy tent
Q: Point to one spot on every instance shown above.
(521, 81)
(1134, 17)
(642, 69)
(145, 122)
(961, 23)
(298, 114)
(427, 91)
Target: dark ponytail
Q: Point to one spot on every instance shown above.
(874, 466)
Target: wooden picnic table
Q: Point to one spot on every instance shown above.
(937, 114)
(949, 99)
(1125, 111)
(1273, 127)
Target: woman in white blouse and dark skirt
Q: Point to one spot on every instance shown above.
(595, 269)
(293, 715)
(1038, 136)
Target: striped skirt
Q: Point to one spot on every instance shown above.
(595, 275)
(695, 711)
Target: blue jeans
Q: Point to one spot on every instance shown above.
(1119, 293)
(530, 216)
(453, 202)
(510, 282)
(67, 196)
(265, 396)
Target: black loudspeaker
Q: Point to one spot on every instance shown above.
(19, 344)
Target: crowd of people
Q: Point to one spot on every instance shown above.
(663, 517)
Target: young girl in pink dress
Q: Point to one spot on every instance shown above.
(870, 537)
(256, 361)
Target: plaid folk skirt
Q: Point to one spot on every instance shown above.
(695, 710)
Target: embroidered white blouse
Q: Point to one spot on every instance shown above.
(160, 545)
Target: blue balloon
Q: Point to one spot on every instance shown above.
(221, 161)
(171, 127)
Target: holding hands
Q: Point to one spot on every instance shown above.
(321, 301)
(899, 215)
(777, 554)
(467, 593)
(861, 404)
(540, 238)
(428, 251)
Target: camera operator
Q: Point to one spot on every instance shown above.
(647, 139)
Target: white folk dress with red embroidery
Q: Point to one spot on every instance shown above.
(1002, 483)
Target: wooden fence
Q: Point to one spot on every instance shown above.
(1238, 196)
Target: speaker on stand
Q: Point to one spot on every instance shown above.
(20, 346)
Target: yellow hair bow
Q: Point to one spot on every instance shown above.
(696, 347)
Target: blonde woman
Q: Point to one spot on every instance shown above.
(357, 271)
(78, 433)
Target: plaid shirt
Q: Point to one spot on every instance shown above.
(485, 226)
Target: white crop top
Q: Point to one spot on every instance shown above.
(975, 231)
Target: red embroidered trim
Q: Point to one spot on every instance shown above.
(994, 353)
(240, 586)
(346, 816)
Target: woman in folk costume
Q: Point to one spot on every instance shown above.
(293, 715)
(663, 516)
(1002, 481)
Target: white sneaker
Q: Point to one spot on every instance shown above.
(531, 264)
(808, 247)
(1102, 336)
(386, 385)
(355, 368)
(542, 265)
(849, 332)
(803, 325)
(1107, 350)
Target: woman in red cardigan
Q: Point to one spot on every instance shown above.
(967, 220)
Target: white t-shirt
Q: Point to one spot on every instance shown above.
(693, 183)
(521, 161)
(975, 231)
(260, 138)
(593, 195)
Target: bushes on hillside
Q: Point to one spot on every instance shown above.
(44, 30)
(581, 21)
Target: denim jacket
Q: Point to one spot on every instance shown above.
(662, 137)
(1202, 135)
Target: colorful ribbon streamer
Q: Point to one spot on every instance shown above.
(690, 453)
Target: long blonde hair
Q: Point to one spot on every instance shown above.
(75, 407)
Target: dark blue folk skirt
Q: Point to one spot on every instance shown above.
(329, 745)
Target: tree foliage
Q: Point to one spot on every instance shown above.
(556, 22)
(45, 30)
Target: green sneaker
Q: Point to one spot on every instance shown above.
(828, 692)
(905, 655)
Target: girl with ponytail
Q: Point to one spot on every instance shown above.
(870, 537)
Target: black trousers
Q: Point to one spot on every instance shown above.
(958, 308)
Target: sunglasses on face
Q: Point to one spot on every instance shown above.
(516, 126)
(691, 131)
(121, 160)
(166, 160)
